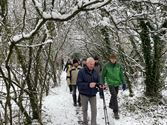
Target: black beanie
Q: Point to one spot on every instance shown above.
(96, 58)
(75, 61)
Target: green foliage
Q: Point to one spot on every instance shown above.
(107, 41)
(51, 27)
(3, 4)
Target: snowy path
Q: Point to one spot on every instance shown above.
(60, 110)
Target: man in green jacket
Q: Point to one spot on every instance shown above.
(112, 75)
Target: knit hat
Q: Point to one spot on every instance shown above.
(75, 61)
(96, 58)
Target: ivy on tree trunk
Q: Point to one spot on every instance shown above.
(152, 51)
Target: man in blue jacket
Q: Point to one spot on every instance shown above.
(87, 82)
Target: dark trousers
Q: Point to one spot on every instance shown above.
(113, 100)
(70, 88)
(74, 95)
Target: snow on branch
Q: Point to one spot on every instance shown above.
(36, 45)
(57, 16)
(19, 37)
(99, 4)
(148, 1)
(81, 6)
(38, 6)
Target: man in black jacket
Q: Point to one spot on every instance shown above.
(87, 82)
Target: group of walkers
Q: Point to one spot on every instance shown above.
(89, 77)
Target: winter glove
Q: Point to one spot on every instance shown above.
(124, 86)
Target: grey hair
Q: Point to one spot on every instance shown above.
(90, 59)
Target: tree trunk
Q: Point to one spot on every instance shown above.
(152, 58)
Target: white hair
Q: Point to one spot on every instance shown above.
(90, 59)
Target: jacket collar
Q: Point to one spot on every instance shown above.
(74, 67)
(113, 64)
(88, 71)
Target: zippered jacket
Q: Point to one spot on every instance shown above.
(112, 74)
(85, 77)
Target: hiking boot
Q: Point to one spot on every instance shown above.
(101, 96)
(75, 104)
(85, 123)
(116, 116)
(79, 104)
(111, 107)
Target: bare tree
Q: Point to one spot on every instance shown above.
(29, 29)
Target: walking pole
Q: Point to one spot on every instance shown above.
(105, 109)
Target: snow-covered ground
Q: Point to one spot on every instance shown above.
(59, 110)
